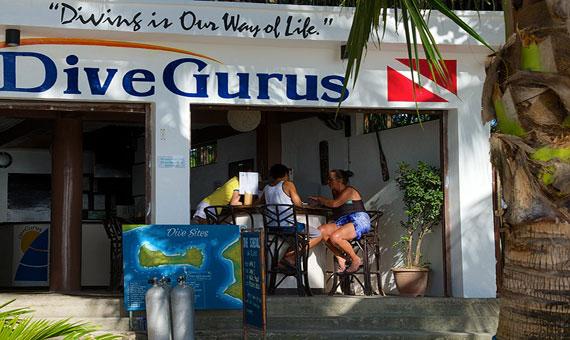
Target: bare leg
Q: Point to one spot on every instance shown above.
(340, 239)
(327, 230)
(340, 256)
(290, 255)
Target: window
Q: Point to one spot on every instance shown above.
(384, 121)
(203, 154)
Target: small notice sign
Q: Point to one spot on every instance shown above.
(253, 274)
(172, 162)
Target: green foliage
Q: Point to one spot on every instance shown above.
(423, 201)
(546, 154)
(371, 19)
(15, 324)
(506, 125)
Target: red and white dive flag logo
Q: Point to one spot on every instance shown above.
(400, 88)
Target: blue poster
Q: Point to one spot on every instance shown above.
(208, 255)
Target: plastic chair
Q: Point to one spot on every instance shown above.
(367, 247)
(283, 232)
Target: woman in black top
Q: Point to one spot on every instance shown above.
(350, 219)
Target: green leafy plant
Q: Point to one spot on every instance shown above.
(423, 201)
(18, 324)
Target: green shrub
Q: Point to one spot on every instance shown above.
(423, 201)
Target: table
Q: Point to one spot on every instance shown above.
(313, 216)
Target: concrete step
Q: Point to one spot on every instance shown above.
(60, 305)
(316, 317)
(345, 334)
(114, 324)
(340, 305)
(348, 322)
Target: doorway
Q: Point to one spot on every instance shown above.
(113, 182)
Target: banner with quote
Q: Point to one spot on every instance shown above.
(209, 256)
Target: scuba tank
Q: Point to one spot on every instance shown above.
(158, 310)
(182, 303)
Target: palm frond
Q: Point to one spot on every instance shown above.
(370, 18)
(14, 325)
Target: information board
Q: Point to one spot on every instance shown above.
(254, 299)
(208, 255)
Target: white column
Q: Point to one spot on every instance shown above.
(170, 179)
(473, 243)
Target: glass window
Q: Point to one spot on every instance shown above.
(203, 154)
(384, 121)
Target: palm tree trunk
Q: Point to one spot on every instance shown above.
(534, 299)
(528, 88)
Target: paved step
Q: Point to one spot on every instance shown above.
(341, 305)
(60, 305)
(115, 324)
(344, 334)
(292, 317)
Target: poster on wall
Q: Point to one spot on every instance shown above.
(31, 255)
(209, 256)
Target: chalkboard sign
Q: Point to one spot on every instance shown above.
(253, 274)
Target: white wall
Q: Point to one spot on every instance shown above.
(205, 179)
(407, 144)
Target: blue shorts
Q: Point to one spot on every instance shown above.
(361, 222)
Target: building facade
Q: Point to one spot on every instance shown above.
(113, 58)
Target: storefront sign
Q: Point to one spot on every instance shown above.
(190, 18)
(254, 298)
(142, 82)
(208, 255)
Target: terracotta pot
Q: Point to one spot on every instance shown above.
(411, 281)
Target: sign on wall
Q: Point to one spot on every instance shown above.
(403, 89)
(31, 255)
(208, 255)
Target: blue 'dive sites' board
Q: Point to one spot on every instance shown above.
(208, 255)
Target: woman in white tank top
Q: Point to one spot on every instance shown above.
(283, 191)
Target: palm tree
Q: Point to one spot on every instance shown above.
(527, 91)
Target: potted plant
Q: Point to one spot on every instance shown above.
(423, 200)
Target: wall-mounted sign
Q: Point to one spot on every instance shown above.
(208, 255)
(170, 162)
